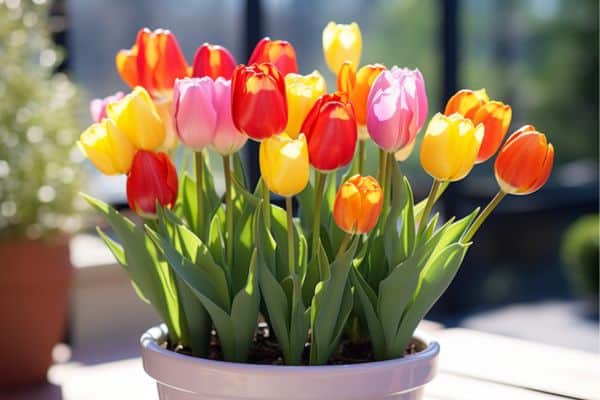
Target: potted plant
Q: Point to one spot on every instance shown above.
(38, 191)
(338, 289)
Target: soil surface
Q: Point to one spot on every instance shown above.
(265, 350)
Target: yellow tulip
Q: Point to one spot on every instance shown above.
(107, 147)
(284, 164)
(341, 43)
(164, 107)
(137, 117)
(302, 92)
(450, 147)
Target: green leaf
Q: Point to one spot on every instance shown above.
(314, 273)
(194, 264)
(368, 303)
(244, 312)
(119, 254)
(150, 275)
(399, 228)
(435, 279)
(331, 307)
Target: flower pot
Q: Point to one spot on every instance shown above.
(34, 283)
(181, 377)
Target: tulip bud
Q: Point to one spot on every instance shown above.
(259, 106)
(302, 91)
(450, 147)
(284, 164)
(213, 61)
(524, 163)
(137, 117)
(277, 52)
(194, 114)
(154, 62)
(358, 204)
(494, 115)
(396, 108)
(346, 78)
(98, 106)
(152, 179)
(107, 147)
(341, 43)
(330, 129)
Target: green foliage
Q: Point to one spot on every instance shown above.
(580, 254)
(38, 179)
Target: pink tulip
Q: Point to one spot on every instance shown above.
(396, 108)
(227, 139)
(98, 106)
(202, 113)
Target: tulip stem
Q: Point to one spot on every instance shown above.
(382, 166)
(483, 216)
(199, 161)
(266, 204)
(429, 205)
(321, 179)
(361, 157)
(344, 244)
(290, 236)
(228, 210)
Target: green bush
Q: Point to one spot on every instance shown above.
(580, 254)
(38, 178)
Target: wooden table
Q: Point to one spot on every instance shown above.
(473, 366)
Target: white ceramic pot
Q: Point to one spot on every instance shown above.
(181, 377)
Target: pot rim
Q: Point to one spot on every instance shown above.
(158, 334)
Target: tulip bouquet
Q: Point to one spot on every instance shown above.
(361, 262)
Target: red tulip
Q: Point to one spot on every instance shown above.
(277, 52)
(152, 178)
(258, 100)
(154, 62)
(214, 61)
(330, 128)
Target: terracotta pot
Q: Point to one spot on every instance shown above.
(181, 377)
(34, 284)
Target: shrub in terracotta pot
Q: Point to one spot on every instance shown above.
(341, 287)
(38, 190)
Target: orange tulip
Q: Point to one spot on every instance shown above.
(494, 115)
(154, 62)
(524, 162)
(358, 204)
(358, 85)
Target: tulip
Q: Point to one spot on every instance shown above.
(164, 108)
(358, 204)
(524, 163)
(341, 43)
(137, 117)
(154, 62)
(152, 179)
(107, 147)
(98, 106)
(277, 52)
(213, 61)
(302, 91)
(284, 164)
(450, 147)
(494, 115)
(259, 106)
(396, 108)
(330, 129)
(358, 85)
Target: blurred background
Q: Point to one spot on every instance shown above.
(534, 271)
